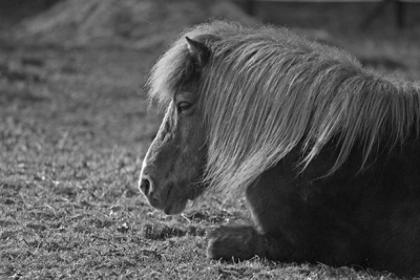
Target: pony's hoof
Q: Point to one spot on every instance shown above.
(233, 243)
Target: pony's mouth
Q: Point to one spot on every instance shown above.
(174, 204)
(175, 208)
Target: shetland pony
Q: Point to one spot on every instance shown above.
(326, 152)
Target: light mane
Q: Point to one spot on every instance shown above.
(268, 91)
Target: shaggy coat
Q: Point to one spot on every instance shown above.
(327, 152)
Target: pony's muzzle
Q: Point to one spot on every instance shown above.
(147, 188)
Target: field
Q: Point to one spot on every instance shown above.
(74, 127)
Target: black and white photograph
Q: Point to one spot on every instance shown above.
(210, 139)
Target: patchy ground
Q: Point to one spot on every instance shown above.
(74, 128)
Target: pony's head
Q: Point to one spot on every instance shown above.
(173, 167)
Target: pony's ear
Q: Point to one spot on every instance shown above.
(199, 52)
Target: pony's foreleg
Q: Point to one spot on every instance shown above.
(244, 242)
(234, 243)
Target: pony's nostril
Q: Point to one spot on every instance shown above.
(145, 186)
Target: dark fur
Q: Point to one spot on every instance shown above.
(327, 152)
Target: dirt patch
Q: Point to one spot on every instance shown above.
(134, 23)
(164, 231)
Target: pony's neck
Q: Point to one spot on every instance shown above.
(391, 112)
(403, 105)
(375, 113)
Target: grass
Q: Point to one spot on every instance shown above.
(74, 128)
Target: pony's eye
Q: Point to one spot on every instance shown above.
(183, 106)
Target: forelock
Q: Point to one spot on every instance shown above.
(175, 67)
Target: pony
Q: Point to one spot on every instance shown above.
(325, 151)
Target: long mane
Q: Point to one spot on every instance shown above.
(267, 91)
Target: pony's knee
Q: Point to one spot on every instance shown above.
(233, 243)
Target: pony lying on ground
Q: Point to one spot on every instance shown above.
(327, 152)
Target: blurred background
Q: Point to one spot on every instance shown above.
(75, 123)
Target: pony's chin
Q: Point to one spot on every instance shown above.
(175, 208)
